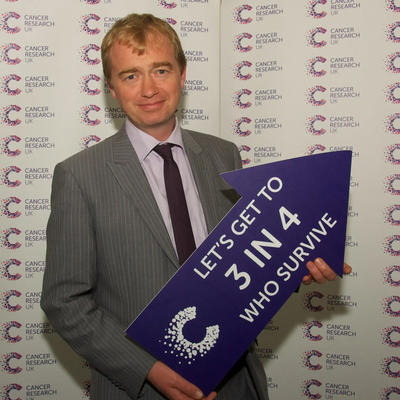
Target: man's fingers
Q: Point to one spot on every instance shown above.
(321, 271)
(172, 385)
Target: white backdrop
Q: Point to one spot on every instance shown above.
(304, 77)
(296, 78)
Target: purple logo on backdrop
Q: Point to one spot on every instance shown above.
(237, 98)
(5, 297)
(308, 297)
(311, 93)
(83, 22)
(84, 111)
(311, 37)
(4, 176)
(386, 336)
(310, 125)
(5, 80)
(166, 5)
(237, 42)
(5, 335)
(86, 389)
(388, 215)
(305, 358)
(4, 142)
(92, 2)
(5, 269)
(86, 140)
(388, 245)
(237, 14)
(84, 54)
(4, 207)
(392, 6)
(4, 54)
(390, 34)
(390, 60)
(4, 236)
(311, 9)
(171, 21)
(237, 70)
(387, 306)
(386, 392)
(7, 389)
(5, 115)
(389, 154)
(311, 66)
(314, 148)
(307, 331)
(305, 389)
(390, 123)
(6, 358)
(246, 149)
(386, 366)
(387, 275)
(4, 22)
(84, 84)
(388, 184)
(237, 126)
(390, 97)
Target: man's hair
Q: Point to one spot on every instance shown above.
(139, 31)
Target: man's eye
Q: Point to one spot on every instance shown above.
(162, 71)
(130, 77)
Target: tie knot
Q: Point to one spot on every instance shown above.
(164, 150)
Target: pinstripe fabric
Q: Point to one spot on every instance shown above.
(109, 253)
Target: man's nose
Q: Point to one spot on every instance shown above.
(149, 87)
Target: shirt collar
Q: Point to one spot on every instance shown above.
(144, 143)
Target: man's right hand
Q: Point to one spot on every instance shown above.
(173, 386)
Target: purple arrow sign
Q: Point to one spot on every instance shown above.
(214, 307)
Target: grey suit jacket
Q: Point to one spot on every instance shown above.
(109, 253)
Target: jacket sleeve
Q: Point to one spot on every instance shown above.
(69, 283)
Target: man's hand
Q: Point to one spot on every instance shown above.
(173, 386)
(320, 272)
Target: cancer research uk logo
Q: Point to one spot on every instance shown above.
(237, 14)
(5, 363)
(85, 142)
(312, 8)
(387, 339)
(177, 344)
(84, 24)
(5, 332)
(84, 84)
(84, 115)
(5, 269)
(4, 53)
(387, 275)
(85, 56)
(4, 18)
(5, 143)
(168, 6)
(4, 207)
(5, 84)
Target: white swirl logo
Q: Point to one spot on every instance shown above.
(182, 347)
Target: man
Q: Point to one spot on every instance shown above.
(111, 244)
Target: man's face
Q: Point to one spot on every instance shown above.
(147, 87)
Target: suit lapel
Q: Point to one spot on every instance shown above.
(207, 179)
(132, 179)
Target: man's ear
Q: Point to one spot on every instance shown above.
(183, 77)
(110, 86)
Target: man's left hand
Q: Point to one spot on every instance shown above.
(320, 271)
